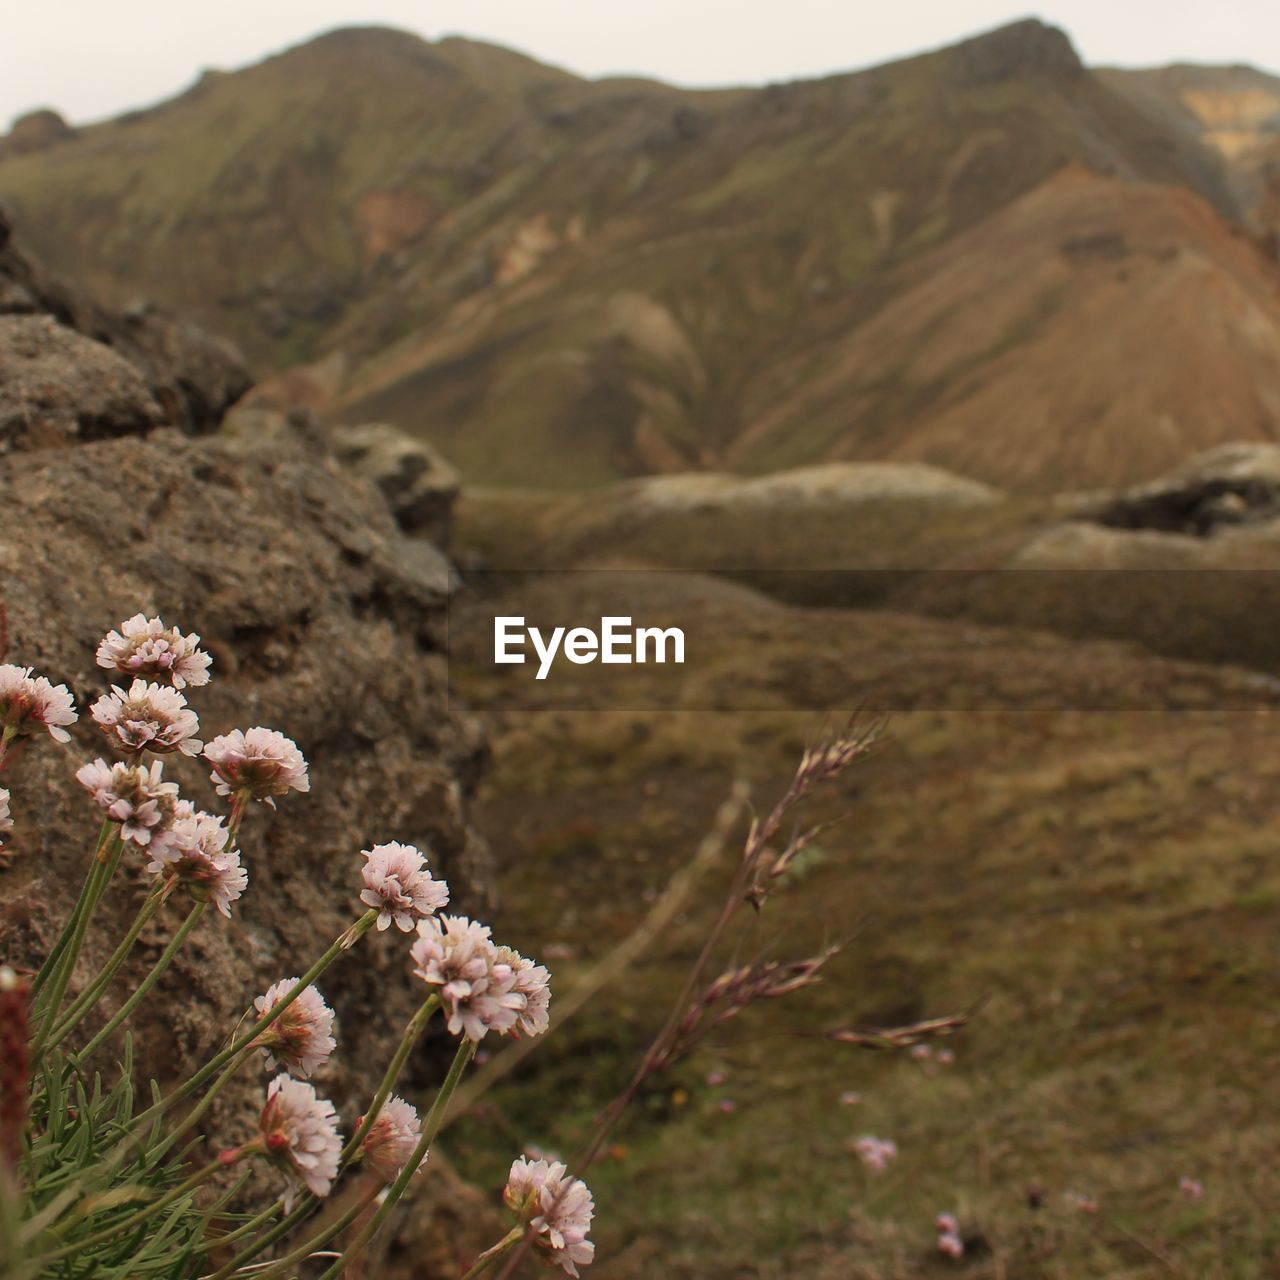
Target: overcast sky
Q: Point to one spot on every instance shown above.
(96, 58)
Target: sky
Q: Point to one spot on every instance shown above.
(91, 59)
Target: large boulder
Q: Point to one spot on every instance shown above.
(419, 485)
(191, 375)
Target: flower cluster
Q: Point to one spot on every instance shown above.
(950, 1243)
(875, 1153)
(391, 1139)
(260, 763)
(147, 717)
(6, 822)
(300, 1131)
(146, 647)
(30, 703)
(483, 987)
(558, 1208)
(196, 849)
(299, 1040)
(134, 795)
(397, 882)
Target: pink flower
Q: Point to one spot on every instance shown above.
(132, 795)
(146, 647)
(875, 1153)
(945, 1058)
(477, 990)
(850, 1098)
(533, 982)
(391, 1140)
(557, 1207)
(149, 717)
(399, 885)
(260, 761)
(29, 703)
(298, 1040)
(1190, 1188)
(193, 849)
(1087, 1204)
(716, 1078)
(950, 1244)
(6, 822)
(946, 1222)
(728, 1106)
(300, 1131)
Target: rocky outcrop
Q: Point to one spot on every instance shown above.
(324, 621)
(419, 485)
(36, 131)
(1026, 48)
(1235, 484)
(191, 377)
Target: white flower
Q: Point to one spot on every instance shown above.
(399, 885)
(533, 982)
(6, 822)
(391, 1140)
(146, 647)
(301, 1132)
(29, 703)
(298, 1040)
(476, 989)
(193, 849)
(558, 1208)
(149, 717)
(260, 761)
(133, 795)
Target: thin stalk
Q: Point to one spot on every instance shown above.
(86, 1000)
(344, 941)
(466, 1050)
(490, 1256)
(321, 1237)
(247, 1228)
(100, 875)
(282, 1228)
(166, 959)
(46, 969)
(412, 1031)
(107, 1233)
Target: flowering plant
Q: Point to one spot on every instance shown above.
(88, 1186)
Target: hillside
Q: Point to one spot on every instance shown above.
(563, 282)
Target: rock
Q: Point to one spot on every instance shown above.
(36, 131)
(58, 387)
(324, 622)
(192, 376)
(419, 485)
(1027, 48)
(1231, 485)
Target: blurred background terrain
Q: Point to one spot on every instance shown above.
(951, 388)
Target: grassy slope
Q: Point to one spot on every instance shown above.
(1106, 882)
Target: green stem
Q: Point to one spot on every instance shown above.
(91, 995)
(412, 1031)
(490, 1256)
(321, 1237)
(68, 929)
(197, 1112)
(282, 1228)
(166, 959)
(430, 1128)
(118, 1228)
(341, 944)
(247, 1228)
(99, 877)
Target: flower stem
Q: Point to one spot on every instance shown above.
(220, 1060)
(96, 883)
(412, 1031)
(118, 1228)
(489, 1256)
(166, 959)
(51, 960)
(282, 1228)
(466, 1050)
(322, 1237)
(92, 994)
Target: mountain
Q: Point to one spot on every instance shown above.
(987, 258)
